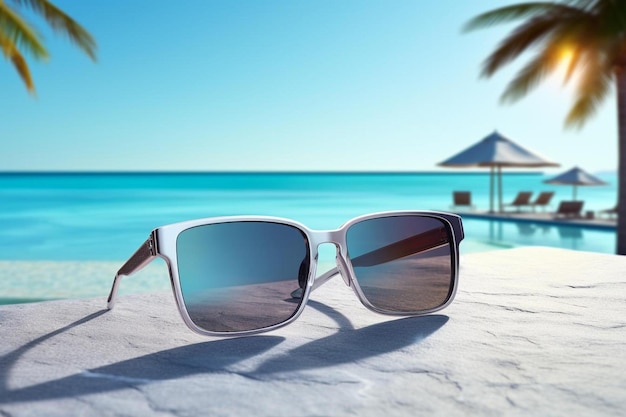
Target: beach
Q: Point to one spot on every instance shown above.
(532, 331)
(304, 209)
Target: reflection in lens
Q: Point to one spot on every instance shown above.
(403, 264)
(239, 276)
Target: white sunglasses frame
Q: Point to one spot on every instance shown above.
(162, 243)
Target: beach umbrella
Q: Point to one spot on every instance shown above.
(496, 152)
(575, 177)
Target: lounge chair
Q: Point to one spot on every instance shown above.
(542, 200)
(609, 212)
(569, 209)
(462, 199)
(521, 200)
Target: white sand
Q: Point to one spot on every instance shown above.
(532, 332)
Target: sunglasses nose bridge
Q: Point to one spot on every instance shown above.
(336, 238)
(326, 236)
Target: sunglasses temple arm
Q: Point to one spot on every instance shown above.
(422, 242)
(324, 278)
(319, 281)
(410, 246)
(142, 257)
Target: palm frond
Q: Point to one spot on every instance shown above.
(595, 30)
(579, 36)
(581, 4)
(614, 13)
(531, 75)
(61, 22)
(592, 89)
(22, 34)
(9, 49)
(516, 12)
(550, 26)
(530, 33)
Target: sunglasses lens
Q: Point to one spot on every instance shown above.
(239, 276)
(403, 264)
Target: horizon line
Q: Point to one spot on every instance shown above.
(470, 171)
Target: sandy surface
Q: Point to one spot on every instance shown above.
(533, 331)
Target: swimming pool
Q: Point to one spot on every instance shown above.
(484, 234)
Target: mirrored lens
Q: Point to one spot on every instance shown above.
(239, 276)
(403, 264)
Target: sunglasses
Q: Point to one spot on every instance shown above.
(242, 275)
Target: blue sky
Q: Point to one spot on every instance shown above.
(279, 85)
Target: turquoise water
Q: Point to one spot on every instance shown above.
(107, 216)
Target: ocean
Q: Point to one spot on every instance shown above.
(106, 216)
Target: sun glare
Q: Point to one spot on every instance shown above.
(566, 55)
(558, 79)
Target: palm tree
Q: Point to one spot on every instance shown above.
(594, 34)
(17, 36)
